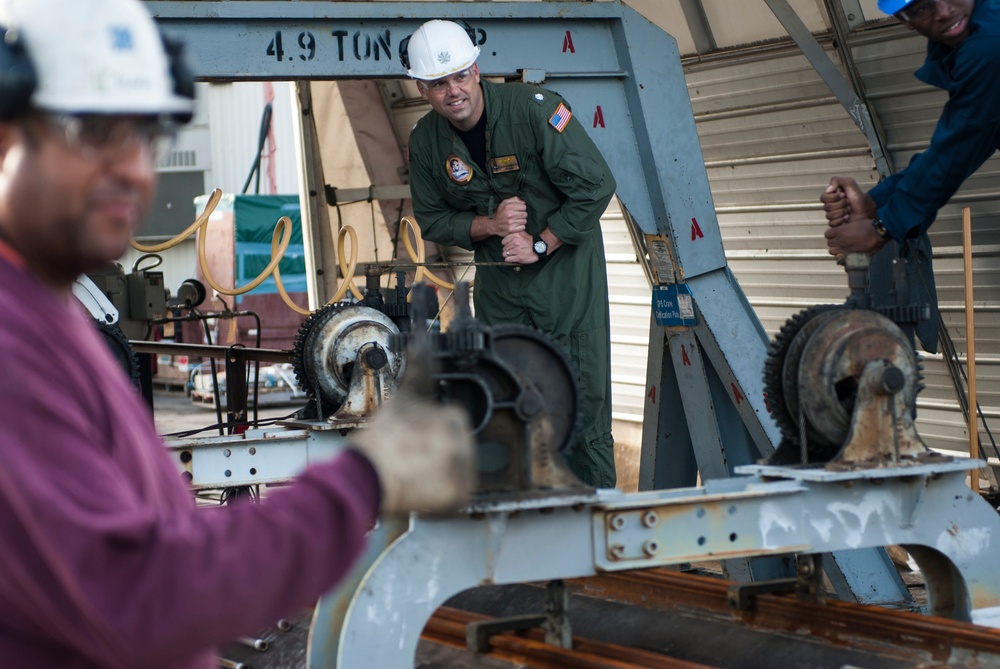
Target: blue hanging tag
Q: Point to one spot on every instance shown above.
(673, 305)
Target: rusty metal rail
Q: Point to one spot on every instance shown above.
(529, 649)
(901, 634)
(833, 634)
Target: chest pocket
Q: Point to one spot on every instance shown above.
(517, 182)
(575, 171)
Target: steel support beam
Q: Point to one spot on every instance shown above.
(841, 87)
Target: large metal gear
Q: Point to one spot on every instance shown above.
(782, 401)
(327, 346)
(540, 365)
(519, 388)
(521, 392)
(826, 365)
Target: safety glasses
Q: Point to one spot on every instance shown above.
(459, 79)
(93, 135)
(918, 11)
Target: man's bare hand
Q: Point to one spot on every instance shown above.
(510, 217)
(844, 199)
(849, 214)
(517, 249)
(855, 236)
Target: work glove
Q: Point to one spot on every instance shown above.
(423, 452)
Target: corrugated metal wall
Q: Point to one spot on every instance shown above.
(235, 110)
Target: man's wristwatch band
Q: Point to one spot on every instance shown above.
(539, 246)
(880, 228)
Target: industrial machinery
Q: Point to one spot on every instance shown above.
(842, 384)
(849, 477)
(847, 374)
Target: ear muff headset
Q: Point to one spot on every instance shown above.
(404, 52)
(17, 75)
(180, 72)
(18, 78)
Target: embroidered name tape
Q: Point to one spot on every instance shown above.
(502, 164)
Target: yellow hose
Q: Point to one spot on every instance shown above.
(280, 239)
(201, 221)
(418, 254)
(347, 267)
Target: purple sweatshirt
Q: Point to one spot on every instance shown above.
(104, 560)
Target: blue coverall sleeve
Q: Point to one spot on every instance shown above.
(966, 135)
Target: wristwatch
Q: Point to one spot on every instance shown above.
(539, 246)
(880, 228)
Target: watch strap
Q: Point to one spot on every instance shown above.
(535, 241)
(880, 228)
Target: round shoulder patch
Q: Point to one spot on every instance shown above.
(457, 170)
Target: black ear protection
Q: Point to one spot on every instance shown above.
(180, 72)
(18, 79)
(404, 52)
(404, 44)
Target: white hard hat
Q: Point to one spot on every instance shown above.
(95, 56)
(437, 49)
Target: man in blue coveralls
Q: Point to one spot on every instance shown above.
(963, 58)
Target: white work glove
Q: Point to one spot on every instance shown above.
(423, 452)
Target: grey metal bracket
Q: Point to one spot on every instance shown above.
(807, 584)
(953, 534)
(741, 595)
(477, 634)
(555, 622)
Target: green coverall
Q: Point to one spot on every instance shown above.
(566, 184)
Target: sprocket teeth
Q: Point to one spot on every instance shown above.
(774, 369)
(302, 377)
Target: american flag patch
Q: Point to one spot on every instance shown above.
(561, 117)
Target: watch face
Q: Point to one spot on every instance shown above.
(541, 247)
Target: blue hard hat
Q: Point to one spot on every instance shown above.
(892, 6)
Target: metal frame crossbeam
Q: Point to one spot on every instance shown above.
(781, 511)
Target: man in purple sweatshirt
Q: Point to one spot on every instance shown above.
(104, 561)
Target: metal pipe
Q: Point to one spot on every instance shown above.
(206, 351)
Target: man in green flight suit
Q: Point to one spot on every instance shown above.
(505, 170)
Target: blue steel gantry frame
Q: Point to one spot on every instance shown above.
(705, 410)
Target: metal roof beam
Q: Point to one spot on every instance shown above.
(701, 29)
(827, 70)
